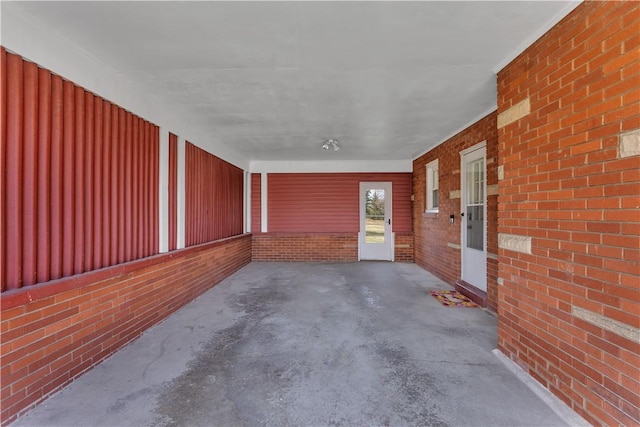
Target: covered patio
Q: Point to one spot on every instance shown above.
(309, 344)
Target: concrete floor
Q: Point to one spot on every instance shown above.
(312, 345)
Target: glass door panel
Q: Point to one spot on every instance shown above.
(374, 216)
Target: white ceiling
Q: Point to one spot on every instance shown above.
(273, 80)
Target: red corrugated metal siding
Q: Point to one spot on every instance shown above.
(66, 158)
(155, 229)
(100, 247)
(3, 163)
(68, 202)
(79, 144)
(173, 191)
(110, 255)
(256, 207)
(13, 205)
(214, 193)
(43, 263)
(92, 186)
(56, 178)
(29, 178)
(103, 138)
(329, 202)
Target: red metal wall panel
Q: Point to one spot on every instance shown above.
(67, 158)
(98, 208)
(121, 154)
(112, 148)
(329, 202)
(30, 170)
(91, 185)
(102, 173)
(128, 189)
(79, 193)
(15, 108)
(43, 263)
(56, 177)
(68, 201)
(156, 185)
(256, 200)
(173, 191)
(214, 197)
(3, 163)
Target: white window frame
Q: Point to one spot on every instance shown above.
(431, 168)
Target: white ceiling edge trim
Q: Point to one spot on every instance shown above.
(465, 127)
(533, 37)
(40, 43)
(324, 166)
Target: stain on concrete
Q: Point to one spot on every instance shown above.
(416, 389)
(128, 400)
(282, 344)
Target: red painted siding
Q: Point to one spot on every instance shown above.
(173, 191)
(256, 198)
(214, 197)
(59, 161)
(329, 202)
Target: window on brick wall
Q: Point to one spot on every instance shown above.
(433, 187)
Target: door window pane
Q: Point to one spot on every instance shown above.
(475, 204)
(475, 227)
(475, 182)
(374, 216)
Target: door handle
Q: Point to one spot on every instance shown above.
(389, 221)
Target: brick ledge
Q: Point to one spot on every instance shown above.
(27, 294)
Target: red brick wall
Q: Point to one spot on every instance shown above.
(321, 247)
(54, 332)
(567, 188)
(433, 232)
(335, 247)
(403, 251)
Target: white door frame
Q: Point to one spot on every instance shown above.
(473, 261)
(376, 251)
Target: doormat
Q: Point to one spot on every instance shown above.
(453, 299)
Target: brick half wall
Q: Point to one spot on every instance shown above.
(325, 247)
(320, 247)
(54, 332)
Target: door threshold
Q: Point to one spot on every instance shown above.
(474, 294)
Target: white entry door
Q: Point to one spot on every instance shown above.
(474, 214)
(375, 238)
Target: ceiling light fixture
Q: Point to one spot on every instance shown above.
(331, 143)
